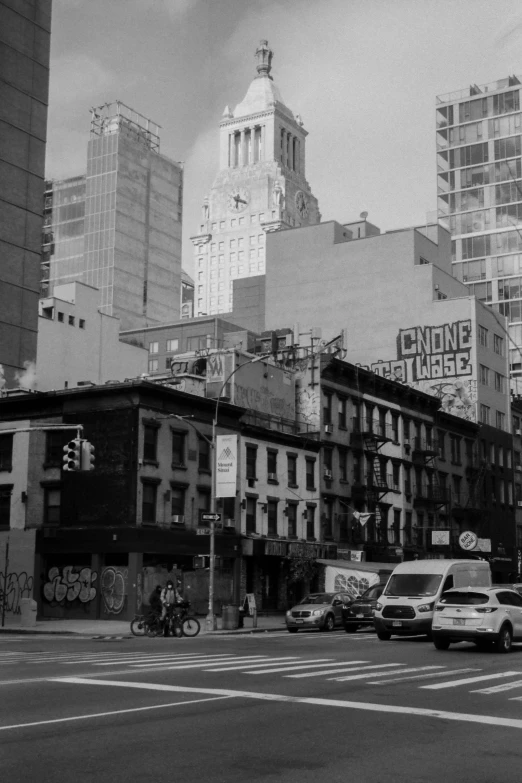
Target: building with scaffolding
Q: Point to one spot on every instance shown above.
(479, 186)
(118, 227)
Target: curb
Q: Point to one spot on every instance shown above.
(240, 632)
(81, 634)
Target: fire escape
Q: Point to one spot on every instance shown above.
(429, 495)
(468, 508)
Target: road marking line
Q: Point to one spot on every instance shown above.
(144, 656)
(211, 663)
(201, 663)
(387, 674)
(506, 686)
(312, 666)
(424, 676)
(339, 671)
(488, 720)
(107, 714)
(171, 659)
(454, 683)
(287, 667)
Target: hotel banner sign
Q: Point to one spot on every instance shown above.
(226, 466)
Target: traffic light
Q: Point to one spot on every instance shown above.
(87, 456)
(72, 457)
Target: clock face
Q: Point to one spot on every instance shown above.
(301, 203)
(238, 199)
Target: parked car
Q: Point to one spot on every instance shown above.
(487, 616)
(317, 610)
(516, 586)
(360, 611)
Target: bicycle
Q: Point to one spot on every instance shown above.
(190, 625)
(177, 623)
(139, 625)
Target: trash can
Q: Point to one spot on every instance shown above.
(28, 612)
(230, 617)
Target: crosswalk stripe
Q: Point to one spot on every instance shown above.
(468, 680)
(152, 659)
(424, 676)
(286, 667)
(506, 686)
(381, 674)
(339, 671)
(200, 664)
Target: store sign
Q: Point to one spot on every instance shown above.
(468, 540)
(483, 545)
(226, 466)
(440, 537)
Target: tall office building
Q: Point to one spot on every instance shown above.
(25, 32)
(118, 228)
(261, 186)
(479, 173)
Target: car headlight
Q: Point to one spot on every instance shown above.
(426, 607)
(318, 611)
(378, 607)
(289, 613)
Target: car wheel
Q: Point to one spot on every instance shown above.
(329, 623)
(384, 636)
(441, 643)
(293, 630)
(351, 628)
(504, 641)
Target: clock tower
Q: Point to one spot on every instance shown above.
(260, 187)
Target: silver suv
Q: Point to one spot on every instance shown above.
(483, 615)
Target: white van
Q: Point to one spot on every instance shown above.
(408, 600)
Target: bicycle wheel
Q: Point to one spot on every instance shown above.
(153, 629)
(138, 627)
(190, 626)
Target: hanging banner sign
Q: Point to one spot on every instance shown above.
(226, 466)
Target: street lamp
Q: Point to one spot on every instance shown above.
(211, 617)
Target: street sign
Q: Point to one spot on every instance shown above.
(210, 517)
(202, 531)
(468, 540)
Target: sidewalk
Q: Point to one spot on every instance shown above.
(118, 628)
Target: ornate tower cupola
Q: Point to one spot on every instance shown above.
(260, 187)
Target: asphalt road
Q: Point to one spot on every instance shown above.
(265, 707)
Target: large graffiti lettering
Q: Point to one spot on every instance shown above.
(264, 400)
(307, 403)
(437, 361)
(70, 584)
(113, 585)
(17, 586)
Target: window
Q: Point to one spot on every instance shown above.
(500, 383)
(291, 513)
(328, 518)
(251, 504)
(5, 505)
(292, 470)
(172, 345)
(406, 430)
(483, 375)
(310, 523)
(177, 497)
(203, 504)
(251, 460)
(407, 480)
(498, 344)
(441, 435)
(455, 449)
(484, 413)
(271, 465)
(178, 447)
(457, 482)
(343, 465)
(6, 452)
(396, 468)
(500, 420)
(272, 517)
(328, 462)
(327, 409)
(342, 413)
(153, 347)
(71, 320)
(483, 336)
(54, 444)
(81, 323)
(150, 442)
(203, 454)
(60, 317)
(310, 473)
(52, 502)
(153, 365)
(395, 427)
(148, 505)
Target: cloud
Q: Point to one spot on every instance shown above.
(78, 80)
(177, 8)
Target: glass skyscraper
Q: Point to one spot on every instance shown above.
(122, 232)
(479, 178)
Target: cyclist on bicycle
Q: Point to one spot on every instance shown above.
(170, 596)
(155, 602)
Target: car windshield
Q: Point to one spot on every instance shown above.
(318, 598)
(372, 593)
(413, 585)
(464, 599)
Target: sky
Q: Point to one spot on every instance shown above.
(363, 74)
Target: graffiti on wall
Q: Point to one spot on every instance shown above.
(16, 586)
(307, 404)
(437, 361)
(70, 584)
(113, 586)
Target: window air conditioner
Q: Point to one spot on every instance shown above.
(517, 432)
(328, 428)
(272, 476)
(230, 522)
(178, 519)
(328, 474)
(519, 503)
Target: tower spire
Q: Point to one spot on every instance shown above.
(264, 59)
